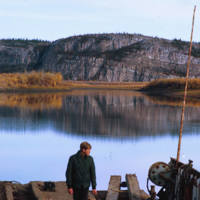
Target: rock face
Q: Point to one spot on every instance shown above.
(103, 57)
(21, 55)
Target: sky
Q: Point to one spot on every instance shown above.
(55, 19)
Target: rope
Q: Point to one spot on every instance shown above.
(186, 86)
(147, 185)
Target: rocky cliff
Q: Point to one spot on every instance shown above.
(104, 57)
(21, 55)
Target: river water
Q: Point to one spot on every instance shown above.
(128, 131)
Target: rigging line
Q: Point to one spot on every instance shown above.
(186, 87)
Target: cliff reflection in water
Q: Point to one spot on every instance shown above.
(97, 113)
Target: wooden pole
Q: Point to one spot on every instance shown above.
(186, 86)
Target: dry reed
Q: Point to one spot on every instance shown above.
(172, 84)
(105, 85)
(42, 80)
(35, 80)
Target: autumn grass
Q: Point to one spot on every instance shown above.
(49, 81)
(32, 80)
(105, 85)
(172, 84)
(171, 91)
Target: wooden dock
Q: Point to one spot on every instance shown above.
(35, 191)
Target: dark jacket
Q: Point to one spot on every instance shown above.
(80, 171)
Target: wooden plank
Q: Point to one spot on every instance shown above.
(91, 196)
(113, 188)
(9, 192)
(144, 195)
(133, 187)
(60, 192)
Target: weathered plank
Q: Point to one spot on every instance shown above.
(9, 192)
(144, 195)
(113, 188)
(60, 192)
(91, 196)
(133, 187)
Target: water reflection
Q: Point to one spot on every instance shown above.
(174, 101)
(33, 101)
(121, 126)
(116, 114)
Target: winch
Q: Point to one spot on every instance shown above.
(159, 173)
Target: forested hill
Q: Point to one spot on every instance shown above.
(104, 57)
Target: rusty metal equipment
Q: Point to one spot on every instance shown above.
(158, 173)
(178, 181)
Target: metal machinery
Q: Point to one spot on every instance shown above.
(178, 181)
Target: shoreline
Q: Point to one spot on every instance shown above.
(74, 85)
(66, 86)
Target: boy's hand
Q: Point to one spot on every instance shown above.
(94, 192)
(70, 190)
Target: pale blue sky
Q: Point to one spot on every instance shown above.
(54, 19)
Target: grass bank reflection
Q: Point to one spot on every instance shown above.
(174, 100)
(33, 101)
(96, 113)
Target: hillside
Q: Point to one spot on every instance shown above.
(102, 57)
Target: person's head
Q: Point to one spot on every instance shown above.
(85, 148)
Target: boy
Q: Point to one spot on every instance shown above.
(80, 172)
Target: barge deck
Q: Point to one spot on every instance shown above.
(38, 190)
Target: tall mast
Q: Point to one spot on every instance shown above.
(186, 87)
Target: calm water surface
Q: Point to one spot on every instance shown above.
(128, 132)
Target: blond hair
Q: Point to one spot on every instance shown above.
(85, 145)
